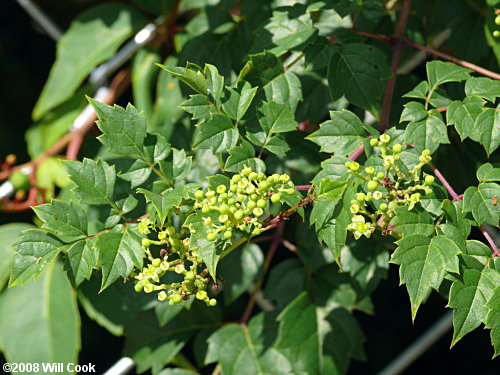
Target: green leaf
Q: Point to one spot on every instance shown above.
(358, 71)
(46, 312)
(241, 349)
(8, 235)
(124, 130)
(276, 118)
(80, 261)
(192, 78)
(239, 102)
(333, 168)
(420, 91)
(424, 262)
(472, 289)
(413, 111)
(261, 69)
(167, 200)
(239, 269)
(488, 172)
(275, 144)
(483, 87)
(457, 227)
(318, 340)
(493, 319)
(481, 201)
(217, 133)
(152, 346)
(287, 33)
(487, 129)
(177, 166)
(241, 156)
(199, 106)
(284, 89)
(35, 249)
(340, 135)
(416, 221)
(94, 180)
(63, 219)
(286, 281)
(119, 252)
(439, 72)
(209, 251)
(92, 38)
(464, 114)
(427, 133)
(331, 218)
(331, 189)
(215, 83)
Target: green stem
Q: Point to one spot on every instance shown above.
(235, 245)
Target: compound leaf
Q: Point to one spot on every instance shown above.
(217, 133)
(63, 219)
(481, 201)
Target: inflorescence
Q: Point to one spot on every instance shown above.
(386, 190)
(229, 210)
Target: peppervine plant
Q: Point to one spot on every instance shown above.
(176, 205)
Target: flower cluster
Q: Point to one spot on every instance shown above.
(387, 190)
(239, 206)
(236, 208)
(175, 257)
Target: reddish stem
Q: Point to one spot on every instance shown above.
(496, 251)
(441, 178)
(278, 238)
(357, 153)
(303, 187)
(397, 50)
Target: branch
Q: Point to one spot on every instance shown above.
(277, 240)
(118, 85)
(446, 184)
(396, 57)
(465, 64)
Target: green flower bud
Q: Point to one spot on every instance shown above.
(246, 171)
(148, 288)
(397, 157)
(190, 275)
(384, 138)
(426, 152)
(257, 211)
(256, 232)
(179, 268)
(497, 20)
(377, 195)
(238, 215)
(369, 197)
(199, 195)
(210, 194)
(429, 180)
(236, 178)
(496, 34)
(250, 189)
(211, 236)
(201, 295)
(360, 197)
(223, 218)
(162, 235)
(397, 148)
(251, 204)
(156, 262)
(380, 175)
(393, 205)
(290, 191)
(252, 176)
(254, 197)
(264, 185)
(369, 170)
(20, 181)
(242, 226)
(221, 189)
(261, 203)
(146, 242)
(373, 142)
(284, 178)
(138, 287)
(276, 197)
(224, 209)
(383, 207)
(352, 165)
(228, 234)
(207, 220)
(212, 302)
(372, 185)
(205, 209)
(176, 298)
(162, 296)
